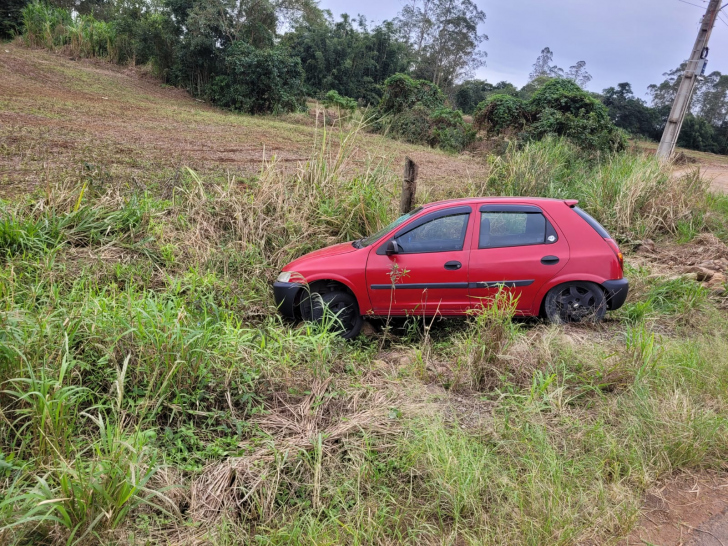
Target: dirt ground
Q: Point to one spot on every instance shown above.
(717, 173)
(690, 510)
(61, 117)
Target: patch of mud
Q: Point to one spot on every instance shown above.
(690, 510)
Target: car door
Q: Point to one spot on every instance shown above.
(429, 274)
(519, 249)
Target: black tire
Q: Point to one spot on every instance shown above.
(342, 305)
(575, 302)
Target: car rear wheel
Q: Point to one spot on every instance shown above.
(343, 314)
(575, 302)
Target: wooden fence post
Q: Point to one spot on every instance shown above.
(409, 186)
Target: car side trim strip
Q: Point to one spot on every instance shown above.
(422, 286)
(453, 285)
(497, 284)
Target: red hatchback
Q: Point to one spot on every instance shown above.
(446, 258)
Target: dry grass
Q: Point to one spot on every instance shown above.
(301, 434)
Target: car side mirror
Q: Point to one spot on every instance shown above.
(392, 247)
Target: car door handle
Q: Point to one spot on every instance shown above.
(453, 265)
(550, 260)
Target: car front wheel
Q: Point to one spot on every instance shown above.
(343, 314)
(575, 302)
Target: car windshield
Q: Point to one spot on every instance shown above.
(366, 241)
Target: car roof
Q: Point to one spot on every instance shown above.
(473, 200)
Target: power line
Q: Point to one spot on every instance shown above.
(722, 20)
(689, 4)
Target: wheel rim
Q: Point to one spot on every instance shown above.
(576, 303)
(344, 315)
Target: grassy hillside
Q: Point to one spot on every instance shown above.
(149, 394)
(59, 117)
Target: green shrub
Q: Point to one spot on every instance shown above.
(11, 17)
(259, 81)
(417, 114)
(334, 100)
(562, 108)
(500, 112)
(444, 128)
(402, 93)
(449, 131)
(412, 125)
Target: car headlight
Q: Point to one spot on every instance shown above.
(285, 276)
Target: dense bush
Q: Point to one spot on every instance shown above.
(560, 107)
(416, 112)
(334, 100)
(257, 81)
(469, 94)
(402, 92)
(11, 17)
(347, 58)
(500, 112)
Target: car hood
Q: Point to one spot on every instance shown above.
(334, 250)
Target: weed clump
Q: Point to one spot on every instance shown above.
(485, 342)
(415, 111)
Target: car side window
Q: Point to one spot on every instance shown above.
(504, 229)
(439, 235)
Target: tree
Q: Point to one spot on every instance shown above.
(544, 68)
(208, 27)
(10, 17)
(258, 81)
(347, 57)
(530, 89)
(711, 102)
(630, 113)
(444, 38)
(664, 94)
(697, 134)
(578, 74)
(469, 94)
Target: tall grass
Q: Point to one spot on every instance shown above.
(634, 196)
(57, 28)
(139, 348)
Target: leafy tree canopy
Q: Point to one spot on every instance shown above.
(445, 38)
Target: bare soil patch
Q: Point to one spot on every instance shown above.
(689, 510)
(58, 117)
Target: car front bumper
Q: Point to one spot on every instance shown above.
(285, 294)
(616, 293)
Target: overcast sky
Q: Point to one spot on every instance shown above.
(620, 40)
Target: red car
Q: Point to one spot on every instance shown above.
(445, 258)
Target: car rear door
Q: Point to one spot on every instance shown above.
(517, 248)
(429, 275)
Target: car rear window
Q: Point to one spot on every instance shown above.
(593, 223)
(499, 229)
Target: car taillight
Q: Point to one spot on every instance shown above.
(617, 252)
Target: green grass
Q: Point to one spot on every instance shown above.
(149, 393)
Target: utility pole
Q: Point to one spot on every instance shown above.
(695, 67)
